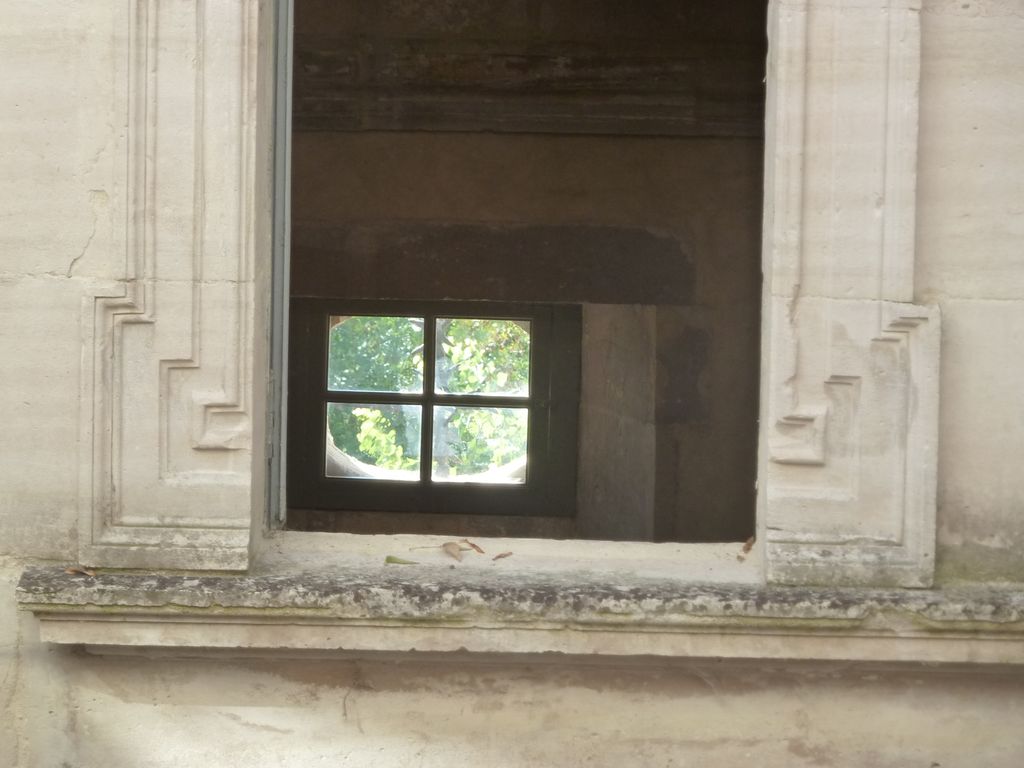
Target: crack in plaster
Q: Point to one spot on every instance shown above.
(13, 692)
(97, 198)
(92, 164)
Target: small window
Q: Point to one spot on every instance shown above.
(449, 407)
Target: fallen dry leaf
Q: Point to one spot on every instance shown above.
(503, 554)
(748, 545)
(453, 549)
(392, 560)
(472, 545)
(80, 571)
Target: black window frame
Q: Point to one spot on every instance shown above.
(553, 403)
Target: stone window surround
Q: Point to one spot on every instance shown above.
(849, 386)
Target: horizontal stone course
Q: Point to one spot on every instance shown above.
(437, 594)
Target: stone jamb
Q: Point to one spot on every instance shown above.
(841, 500)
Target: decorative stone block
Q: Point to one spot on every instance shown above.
(849, 365)
(167, 385)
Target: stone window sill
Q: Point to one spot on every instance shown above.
(439, 606)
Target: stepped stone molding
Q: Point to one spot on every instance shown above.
(167, 383)
(849, 364)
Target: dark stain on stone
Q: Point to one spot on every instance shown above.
(556, 263)
(683, 361)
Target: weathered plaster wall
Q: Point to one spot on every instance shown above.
(424, 711)
(61, 180)
(971, 262)
(59, 185)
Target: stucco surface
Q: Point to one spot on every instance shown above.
(73, 708)
(57, 188)
(59, 196)
(435, 711)
(970, 261)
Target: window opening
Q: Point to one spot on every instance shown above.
(605, 161)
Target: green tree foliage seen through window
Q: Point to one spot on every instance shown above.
(474, 356)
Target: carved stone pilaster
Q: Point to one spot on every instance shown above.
(167, 395)
(849, 364)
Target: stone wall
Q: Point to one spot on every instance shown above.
(61, 707)
(971, 262)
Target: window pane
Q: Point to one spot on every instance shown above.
(373, 441)
(479, 445)
(375, 354)
(483, 357)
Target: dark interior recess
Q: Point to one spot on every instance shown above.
(600, 154)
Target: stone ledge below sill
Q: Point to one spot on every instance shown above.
(397, 609)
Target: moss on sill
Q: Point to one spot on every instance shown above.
(438, 597)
